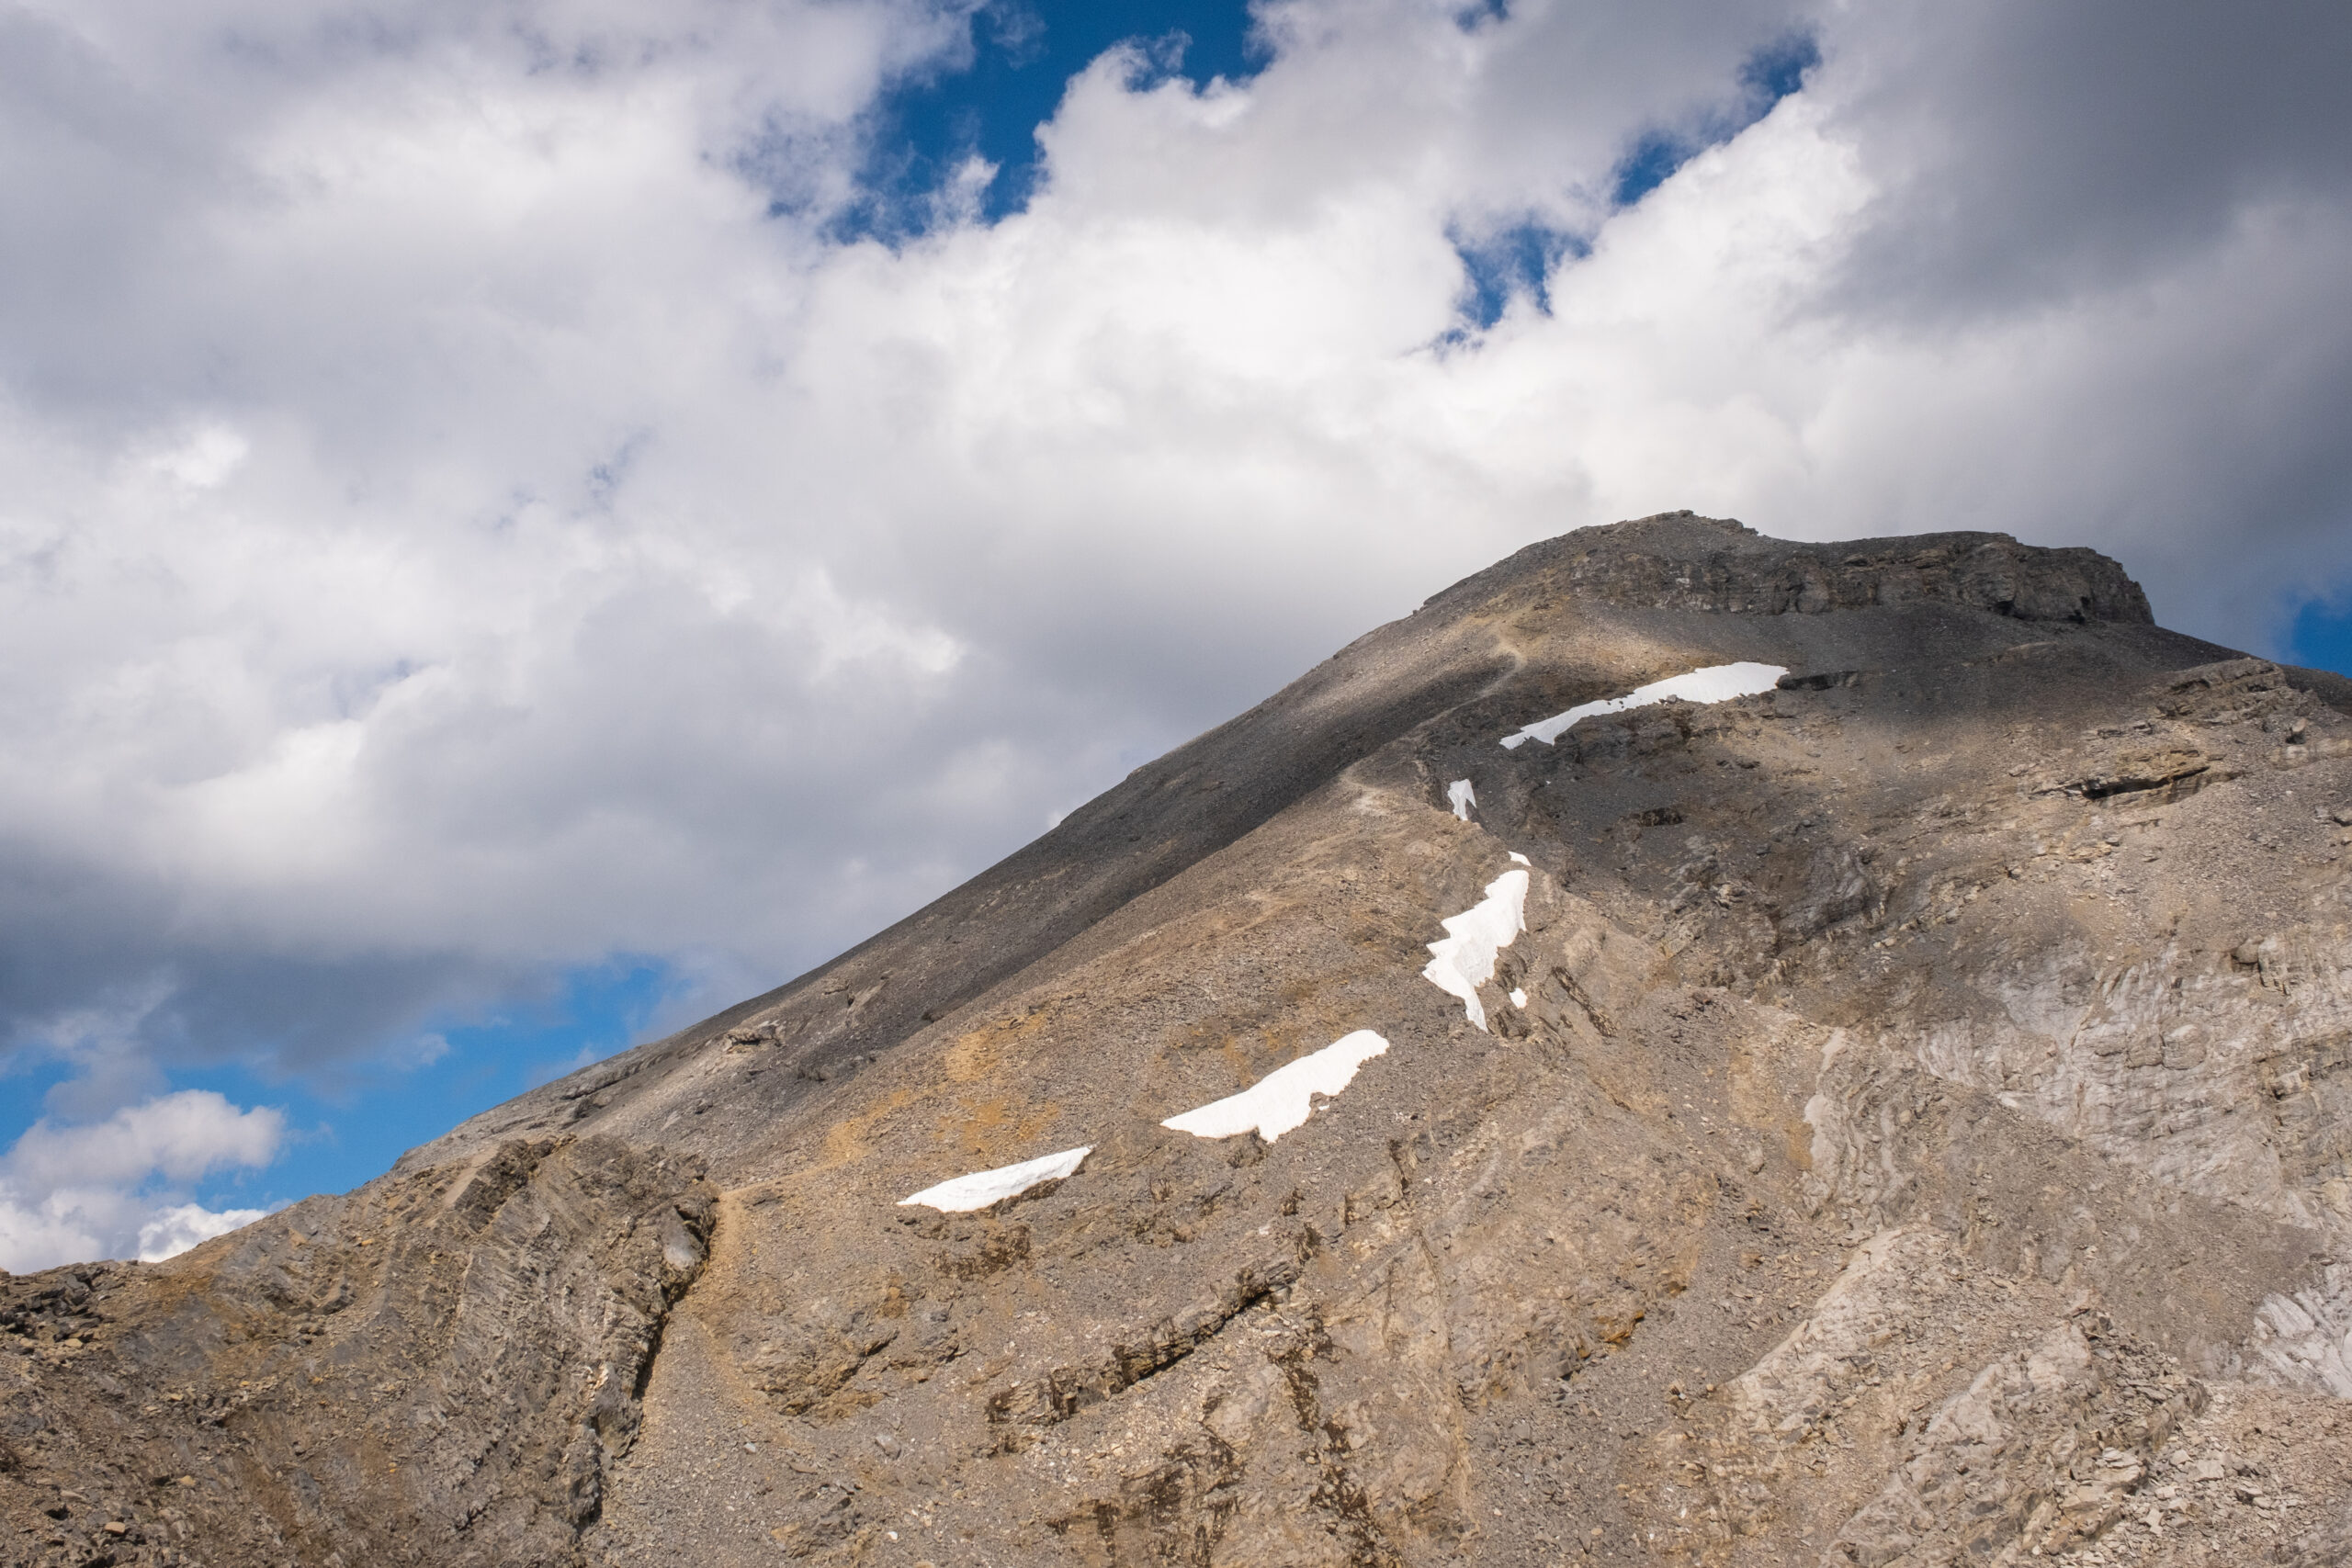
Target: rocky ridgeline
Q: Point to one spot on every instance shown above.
(1682, 561)
(1913, 1127)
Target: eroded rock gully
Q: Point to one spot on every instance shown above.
(1913, 1130)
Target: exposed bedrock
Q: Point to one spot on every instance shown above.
(441, 1368)
(1901, 1121)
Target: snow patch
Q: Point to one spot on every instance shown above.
(1518, 998)
(1715, 683)
(1283, 1100)
(1518, 859)
(1465, 959)
(983, 1187)
(1462, 797)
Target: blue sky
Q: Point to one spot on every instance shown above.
(1023, 56)
(991, 105)
(2320, 636)
(342, 1131)
(525, 525)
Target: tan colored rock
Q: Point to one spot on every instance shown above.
(1913, 1127)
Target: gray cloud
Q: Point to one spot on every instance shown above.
(2031, 153)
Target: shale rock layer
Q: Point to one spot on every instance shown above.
(1912, 1128)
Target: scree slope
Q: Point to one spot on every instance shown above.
(1885, 1102)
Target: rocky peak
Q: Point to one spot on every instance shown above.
(1860, 1078)
(1679, 561)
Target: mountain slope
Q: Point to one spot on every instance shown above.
(1910, 1127)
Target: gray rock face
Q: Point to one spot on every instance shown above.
(442, 1367)
(1911, 1128)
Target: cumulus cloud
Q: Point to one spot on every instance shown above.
(473, 507)
(173, 1230)
(117, 1188)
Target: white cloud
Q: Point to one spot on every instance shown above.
(466, 514)
(206, 458)
(178, 1136)
(117, 1188)
(173, 1230)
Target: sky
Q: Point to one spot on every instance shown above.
(525, 522)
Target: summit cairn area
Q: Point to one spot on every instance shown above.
(1894, 1113)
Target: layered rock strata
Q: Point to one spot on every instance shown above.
(1910, 1126)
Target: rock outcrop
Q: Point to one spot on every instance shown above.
(1911, 1128)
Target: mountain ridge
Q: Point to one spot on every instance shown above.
(1905, 1122)
(1700, 541)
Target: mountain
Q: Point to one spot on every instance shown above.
(1886, 1100)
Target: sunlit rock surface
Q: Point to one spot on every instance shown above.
(1911, 1128)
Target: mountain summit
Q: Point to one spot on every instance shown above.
(1688, 1048)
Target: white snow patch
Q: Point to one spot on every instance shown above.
(1518, 998)
(982, 1187)
(1283, 1098)
(1518, 859)
(1465, 959)
(1462, 797)
(1715, 683)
